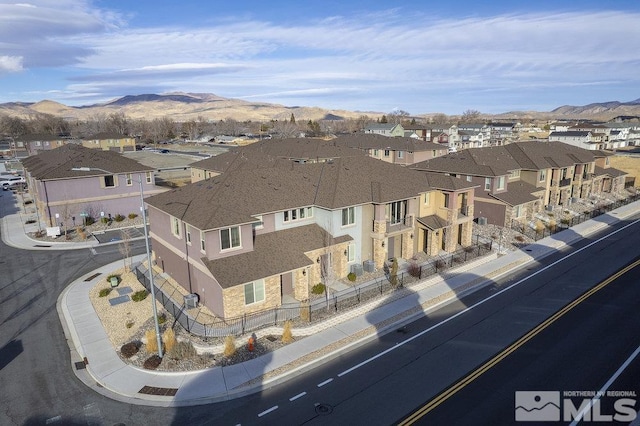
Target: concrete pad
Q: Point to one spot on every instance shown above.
(235, 375)
(125, 381)
(208, 383)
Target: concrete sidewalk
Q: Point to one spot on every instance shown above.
(107, 374)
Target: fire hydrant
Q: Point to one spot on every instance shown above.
(250, 345)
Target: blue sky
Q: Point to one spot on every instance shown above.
(418, 56)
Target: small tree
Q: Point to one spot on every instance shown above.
(287, 335)
(169, 339)
(125, 249)
(393, 277)
(229, 346)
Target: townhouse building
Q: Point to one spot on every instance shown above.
(108, 141)
(253, 238)
(398, 150)
(71, 183)
(385, 129)
(519, 180)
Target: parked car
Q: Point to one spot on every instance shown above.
(10, 182)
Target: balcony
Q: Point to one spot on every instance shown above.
(562, 182)
(588, 176)
(463, 212)
(394, 228)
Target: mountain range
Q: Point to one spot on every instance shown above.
(187, 106)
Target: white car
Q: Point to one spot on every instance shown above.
(9, 182)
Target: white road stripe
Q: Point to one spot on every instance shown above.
(300, 395)
(325, 382)
(275, 407)
(464, 311)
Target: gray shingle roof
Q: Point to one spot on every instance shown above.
(599, 171)
(234, 197)
(290, 246)
(58, 163)
(433, 222)
(518, 192)
(374, 141)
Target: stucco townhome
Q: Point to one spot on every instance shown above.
(72, 182)
(257, 237)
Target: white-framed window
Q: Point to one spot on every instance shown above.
(188, 235)
(254, 292)
(348, 216)
(230, 238)
(517, 211)
(500, 183)
(514, 174)
(351, 253)
(542, 176)
(427, 199)
(202, 242)
(469, 178)
(400, 154)
(175, 226)
(487, 184)
(376, 152)
(297, 214)
(129, 179)
(148, 177)
(258, 225)
(387, 152)
(109, 181)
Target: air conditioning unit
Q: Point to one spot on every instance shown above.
(482, 221)
(369, 266)
(548, 208)
(357, 269)
(191, 301)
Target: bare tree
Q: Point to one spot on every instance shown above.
(470, 115)
(285, 129)
(125, 249)
(397, 116)
(118, 123)
(440, 119)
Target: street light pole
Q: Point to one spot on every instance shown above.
(146, 241)
(150, 268)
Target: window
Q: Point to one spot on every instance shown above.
(254, 292)
(400, 154)
(517, 211)
(175, 226)
(109, 181)
(348, 216)
(297, 214)
(543, 176)
(230, 238)
(202, 241)
(258, 225)
(469, 178)
(129, 179)
(148, 177)
(351, 253)
(446, 201)
(386, 152)
(500, 183)
(376, 152)
(514, 174)
(396, 211)
(487, 184)
(188, 235)
(427, 198)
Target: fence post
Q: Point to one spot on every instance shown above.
(243, 323)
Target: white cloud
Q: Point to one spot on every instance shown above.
(10, 64)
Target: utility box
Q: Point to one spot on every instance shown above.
(191, 300)
(369, 266)
(356, 269)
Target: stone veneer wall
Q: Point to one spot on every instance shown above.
(233, 298)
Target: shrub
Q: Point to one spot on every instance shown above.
(130, 349)
(414, 269)
(104, 292)
(287, 335)
(119, 218)
(318, 288)
(469, 249)
(566, 221)
(152, 341)
(539, 226)
(162, 318)
(152, 362)
(229, 346)
(104, 220)
(129, 323)
(182, 350)
(169, 339)
(81, 233)
(89, 220)
(440, 264)
(519, 238)
(132, 216)
(351, 277)
(139, 295)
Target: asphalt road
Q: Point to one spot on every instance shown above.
(38, 385)
(578, 352)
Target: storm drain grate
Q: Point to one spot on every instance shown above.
(271, 338)
(152, 390)
(92, 276)
(80, 365)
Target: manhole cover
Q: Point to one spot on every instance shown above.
(323, 409)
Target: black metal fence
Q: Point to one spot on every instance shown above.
(545, 229)
(313, 310)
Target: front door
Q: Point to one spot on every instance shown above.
(286, 285)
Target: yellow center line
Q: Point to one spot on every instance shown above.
(435, 402)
